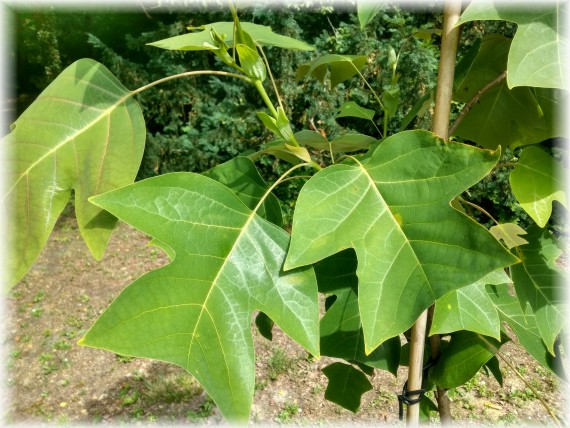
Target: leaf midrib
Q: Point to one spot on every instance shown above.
(104, 114)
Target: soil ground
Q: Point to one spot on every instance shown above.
(52, 380)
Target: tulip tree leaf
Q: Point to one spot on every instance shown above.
(541, 284)
(462, 358)
(341, 328)
(346, 385)
(509, 233)
(260, 34)
(394, 210)
(502, 116)
(196, 311)
(345, 143)
(367, 11)
(537, 181)
(85, 133)
(352, 109)
(469, 308)
(342, 67)
(525, 328)
(538, 56)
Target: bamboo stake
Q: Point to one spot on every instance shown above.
(417, 345)
(450, 37)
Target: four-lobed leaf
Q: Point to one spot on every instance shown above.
(536, 182)
(260, 34)
(509, 233)
(346, 385)
(196, 311)
(463, 357)
(502, 116)
(469, 308)
(523, 324)
(84, 133)
(394, 210)
(353, 109)
(539, 55)
(342, 67)
(340, 327)
(242, 177)
(541, 284)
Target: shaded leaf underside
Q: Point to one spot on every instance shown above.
(85, 133)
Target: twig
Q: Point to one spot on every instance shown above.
(478, 208)
(499, 79)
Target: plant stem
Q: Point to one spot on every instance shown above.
(450, 37)
(378, 100)
(277, 182)
(271, 77)
(498, 80)
(435, 352)
(535, 392)
(189, 74)
(259, 86)
(478, 208)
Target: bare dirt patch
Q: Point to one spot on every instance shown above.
(53, 380)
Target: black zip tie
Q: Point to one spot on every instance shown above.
(404, 397)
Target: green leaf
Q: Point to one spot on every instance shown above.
(493, 366)
(342, 67)
(462, 358)
(537, 181)
(541, 283)
(525, 328)
(345, 143)
(280, 127)
(261, 35)
(251, 63)
(264, 325)
(346, 385)
(509, 233)
(426, 407)
(367, 11)
(352, 109)
(196, 311)
(502, 116)
(341, 328)
(85, 133)
(242, 177)
(394, 210)
(419, 109)
(281, 150)
(538, 56)
(391, 101)
(469, 308)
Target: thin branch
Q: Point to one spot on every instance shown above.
(535, 392)
(279, 180)
(497, 81)
(478, 208)
(271, 77)
(189, 74)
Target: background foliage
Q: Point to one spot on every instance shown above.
(196, 123)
